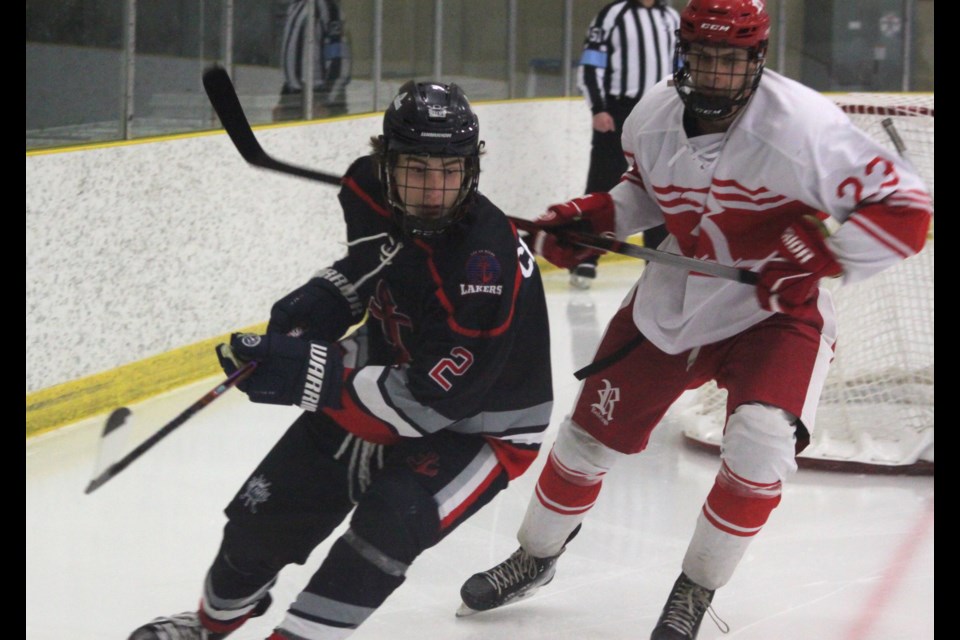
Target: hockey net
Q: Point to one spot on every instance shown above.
(876, 410)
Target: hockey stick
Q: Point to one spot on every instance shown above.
(223, 97)
(634, 251)
(891, 129)
(119, 416)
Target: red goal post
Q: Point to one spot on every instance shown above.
(876, 411)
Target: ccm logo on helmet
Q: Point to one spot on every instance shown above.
(714, 27)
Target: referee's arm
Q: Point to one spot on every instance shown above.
(593, 68)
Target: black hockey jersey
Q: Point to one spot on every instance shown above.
(454, 331)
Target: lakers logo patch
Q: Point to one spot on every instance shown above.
(483, 274)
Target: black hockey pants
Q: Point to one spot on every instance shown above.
(310, 482)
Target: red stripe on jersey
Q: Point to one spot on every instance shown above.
(736, 197)
(471, 499)
(353, 418)
(455, 326)
(366, 197)
(909, 225)
(734, 183)
(515, 460)
(633, 171)
(672, 203)
(672, 188)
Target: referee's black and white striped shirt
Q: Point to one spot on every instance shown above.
(627, 50)
(331, 54)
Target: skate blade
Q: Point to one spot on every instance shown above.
(465, 611)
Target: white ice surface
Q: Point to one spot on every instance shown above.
(844, 557)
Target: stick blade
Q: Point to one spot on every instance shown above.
(96, 483)
(116, 419)
(114, 440)
(223, 98)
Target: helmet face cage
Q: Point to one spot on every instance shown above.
(429, 193)
(430, 159)
(720, 52)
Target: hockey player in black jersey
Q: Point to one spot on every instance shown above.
(413, 421)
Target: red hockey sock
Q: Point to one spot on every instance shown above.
(564, 490)
(738, 506)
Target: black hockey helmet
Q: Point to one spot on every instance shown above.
(712, 25)
(435, 120)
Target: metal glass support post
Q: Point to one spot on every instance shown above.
(437, 39)
(226, 37)
(907, 60)
(310, 46)
(512, 49)
(781, 38)
(226, 53)
(127, 68)
(567, 46)
(377, 51)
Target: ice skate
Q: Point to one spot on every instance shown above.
(516, 578)
(187, 625)
(583, 275)
(183, 626)
(683, 612)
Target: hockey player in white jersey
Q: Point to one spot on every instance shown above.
(743, 165)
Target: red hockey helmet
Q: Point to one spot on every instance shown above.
(706, 28)
(731, 23)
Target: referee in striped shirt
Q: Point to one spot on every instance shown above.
(629, 47)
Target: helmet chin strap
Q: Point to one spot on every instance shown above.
(717, 106)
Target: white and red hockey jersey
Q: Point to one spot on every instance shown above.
(727, 197)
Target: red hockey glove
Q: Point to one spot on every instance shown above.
(593, 213)
(789, 281)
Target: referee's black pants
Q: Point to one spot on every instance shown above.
(607, 163)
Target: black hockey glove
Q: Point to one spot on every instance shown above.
(291, 371)
(315, 311)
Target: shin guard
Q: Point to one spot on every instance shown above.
(734, 512)
(567, 488)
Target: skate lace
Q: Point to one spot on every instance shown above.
(514, 569)
(686, 608)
